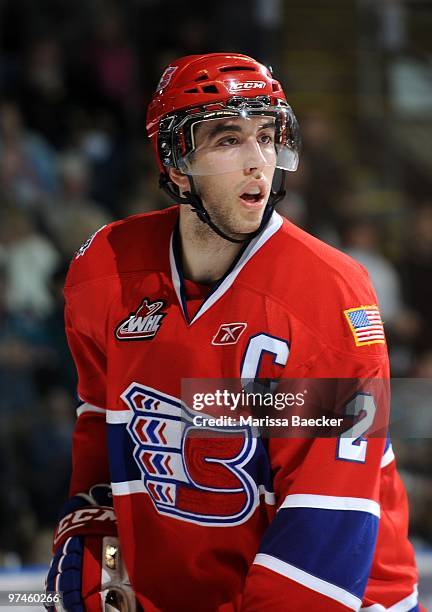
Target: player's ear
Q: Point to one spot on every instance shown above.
(179, 179)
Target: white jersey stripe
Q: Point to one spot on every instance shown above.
(269, 496)
(404, 605)
(128, 487)
(388, 457)
(311, 582)
(86, 407)
(137, 486)
(117, 417)
(331, 502)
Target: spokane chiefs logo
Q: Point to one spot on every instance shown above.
(142, 324)
(166, 77)
(191, 473)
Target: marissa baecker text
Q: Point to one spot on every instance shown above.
(249, 421)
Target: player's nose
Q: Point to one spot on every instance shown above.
(253, 158)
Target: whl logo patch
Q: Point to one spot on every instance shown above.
(229, 333)
(143, 324)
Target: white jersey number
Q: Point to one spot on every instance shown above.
(352, 445)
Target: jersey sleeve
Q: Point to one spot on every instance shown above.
(89, 449)
(84, 325)
(318, 550)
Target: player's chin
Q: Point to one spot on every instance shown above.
(250, 216)
(247, 226)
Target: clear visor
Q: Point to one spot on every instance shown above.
(238, 140)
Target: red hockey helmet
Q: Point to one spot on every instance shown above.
(218, 87)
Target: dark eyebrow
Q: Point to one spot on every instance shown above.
(269, 124)
(221, 128)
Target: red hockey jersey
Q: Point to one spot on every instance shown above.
(241, 523)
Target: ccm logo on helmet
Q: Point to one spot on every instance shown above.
(247, 85)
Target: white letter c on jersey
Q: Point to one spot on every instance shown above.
(257, 346)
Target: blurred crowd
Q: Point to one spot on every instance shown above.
(74, 156)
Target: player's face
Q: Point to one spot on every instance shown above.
(240, 158)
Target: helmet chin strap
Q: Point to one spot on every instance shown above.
(193, 199)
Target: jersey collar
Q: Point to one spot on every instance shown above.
(222, 286)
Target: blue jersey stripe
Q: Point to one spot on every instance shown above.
(259, 466)
(334, 545)
(388, 442)
(123, 466)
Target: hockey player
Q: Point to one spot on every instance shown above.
(219, 286)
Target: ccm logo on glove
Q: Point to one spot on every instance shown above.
(87, 520)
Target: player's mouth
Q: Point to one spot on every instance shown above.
(253, 196)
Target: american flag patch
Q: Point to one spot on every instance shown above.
(366, 325)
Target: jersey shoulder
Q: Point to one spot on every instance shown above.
(139, 242)
(295, 262)
(322, 287)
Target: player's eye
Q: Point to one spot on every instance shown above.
(228, 141)
(266, 139)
